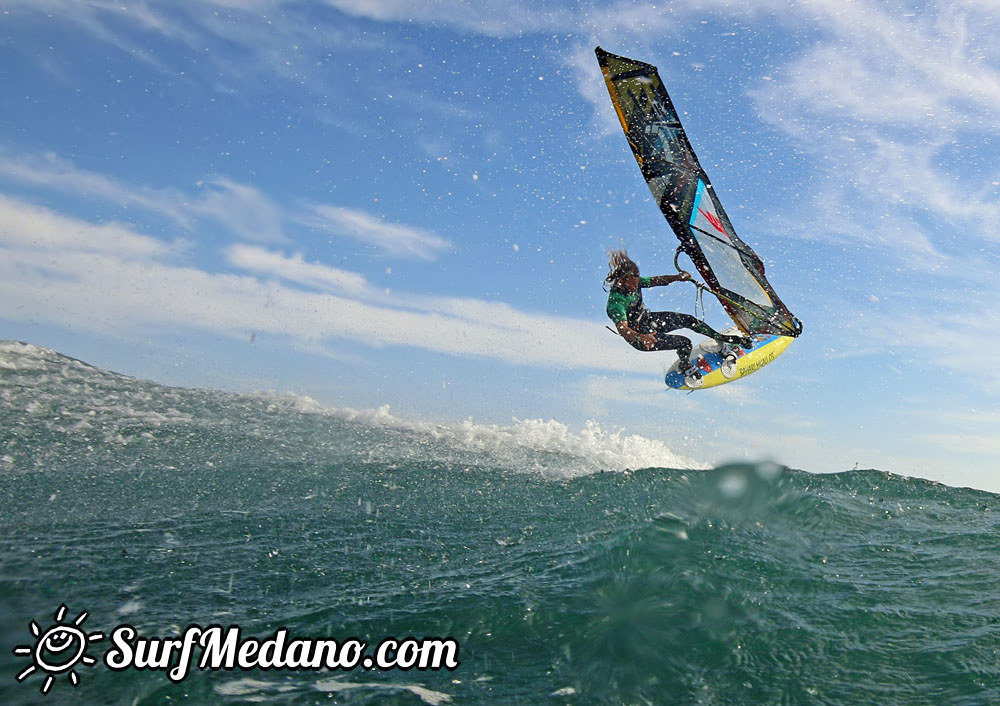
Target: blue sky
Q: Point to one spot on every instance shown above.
(376, 202)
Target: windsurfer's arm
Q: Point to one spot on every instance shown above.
(663, 280)
(647, 340)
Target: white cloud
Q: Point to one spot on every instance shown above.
(243, 210)
(986, 445)
(52, 172)
(959, 342)
(880, 99)
(107, 279)
(597, 393)
(296, 269)
(392, 238)
(118, 23)
(47, 234)
(496, 18)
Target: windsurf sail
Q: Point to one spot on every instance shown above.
(731, 269)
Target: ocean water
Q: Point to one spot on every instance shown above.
(571, 566)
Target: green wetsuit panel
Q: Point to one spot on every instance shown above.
(627, 307)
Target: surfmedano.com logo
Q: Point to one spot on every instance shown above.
(61, 647)
(58, 649)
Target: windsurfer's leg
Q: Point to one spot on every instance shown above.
(664, 321)
(661, 322)
(681, 344)
(667, 342)
(706, 330)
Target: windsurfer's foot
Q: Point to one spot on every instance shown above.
(742, 341)
(727, 348)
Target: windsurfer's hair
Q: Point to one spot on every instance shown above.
(619, 265)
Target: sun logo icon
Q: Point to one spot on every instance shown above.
(57, 650)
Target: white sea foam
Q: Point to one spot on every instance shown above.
(72, 398)
(252, 690)
(428, 696)
(15, 355)
(525, 444)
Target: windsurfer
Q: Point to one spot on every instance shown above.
(650, 330)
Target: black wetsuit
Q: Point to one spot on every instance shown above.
(629, 307)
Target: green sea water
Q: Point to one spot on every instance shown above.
(572, 567)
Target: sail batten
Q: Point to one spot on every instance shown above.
(730, 268)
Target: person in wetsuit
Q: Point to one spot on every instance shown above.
(650, 330)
